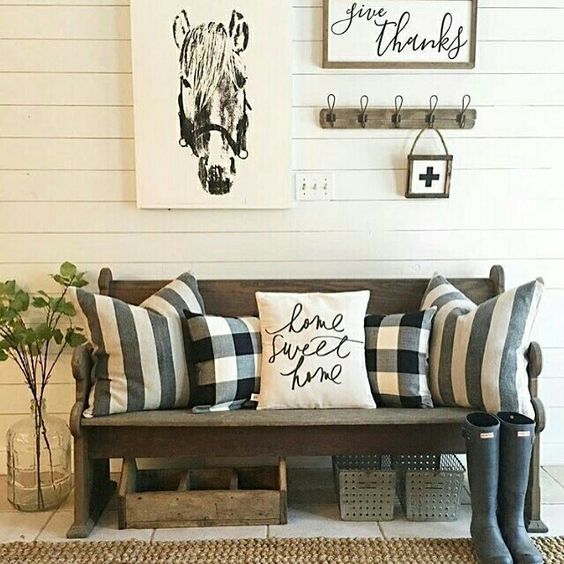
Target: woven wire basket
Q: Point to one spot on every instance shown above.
(429, 486)
(366, 486)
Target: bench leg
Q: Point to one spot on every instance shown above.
(92, 489)
(533, 519)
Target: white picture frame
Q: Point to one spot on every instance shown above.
(212, 89)
(400, 34)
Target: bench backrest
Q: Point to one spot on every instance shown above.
(237, 297)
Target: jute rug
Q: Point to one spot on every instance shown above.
(259, 551)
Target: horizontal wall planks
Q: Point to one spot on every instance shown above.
(67, 185)
(309, 90)
(59, 55)
(553, 361)
(15, 399)
(30, 88)
(492, 184)
(9, 374)
(458, 214)
(114, 56)
(513, 90)
(34, 275)
(115, 154)
(367, 185)
(67, 154)
(117, 122)
(391, 153)
(90, 22)
(553, 432)
(66, 121)
(305, 245)
(550, 391)
(65, 22)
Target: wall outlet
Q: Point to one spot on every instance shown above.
(314, 186)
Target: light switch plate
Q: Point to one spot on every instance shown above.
(317, 186)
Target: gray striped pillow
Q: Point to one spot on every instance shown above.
(477, 354)
(139, 352)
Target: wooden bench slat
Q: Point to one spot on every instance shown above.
(283, 418)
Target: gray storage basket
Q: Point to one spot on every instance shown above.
(429, 486)
(366, 486)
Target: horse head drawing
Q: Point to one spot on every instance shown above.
(212, 101)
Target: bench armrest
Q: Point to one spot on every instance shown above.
(534, 368)
(81, 371)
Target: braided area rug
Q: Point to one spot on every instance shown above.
(259, 551)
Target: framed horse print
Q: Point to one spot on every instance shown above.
(400, 34)
(212, 103)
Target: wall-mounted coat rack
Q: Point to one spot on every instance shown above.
(397, 118)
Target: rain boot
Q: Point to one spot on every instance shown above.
(481, 432)
(517, 436)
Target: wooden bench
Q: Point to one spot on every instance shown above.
(181, 433)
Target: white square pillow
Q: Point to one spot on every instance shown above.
(313, 351)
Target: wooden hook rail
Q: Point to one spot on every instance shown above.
(386, 118)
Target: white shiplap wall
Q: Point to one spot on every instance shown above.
(67, 171)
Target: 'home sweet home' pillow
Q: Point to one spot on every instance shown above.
(139, 355)
(477, 356)
(313, 351)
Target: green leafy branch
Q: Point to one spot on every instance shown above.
(29, 345)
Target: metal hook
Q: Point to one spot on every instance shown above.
(396, 118)
(363, 118)
(461, 118)
(331, 116)
(433, 103)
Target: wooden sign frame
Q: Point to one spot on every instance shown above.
(371, 64)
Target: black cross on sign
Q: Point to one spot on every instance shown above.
(429, 177)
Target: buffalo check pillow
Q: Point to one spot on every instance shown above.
(477, 354)
(225, 359)
(138, 352)
(397, 350)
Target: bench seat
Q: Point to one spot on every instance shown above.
(283, 418)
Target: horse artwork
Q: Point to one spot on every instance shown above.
(212, 102)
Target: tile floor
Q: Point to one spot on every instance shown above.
(313, 512)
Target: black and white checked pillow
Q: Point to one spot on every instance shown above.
(225, 358)
(139, 352)
(397, 349)
(477, 354)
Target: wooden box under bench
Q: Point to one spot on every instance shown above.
(202, 497)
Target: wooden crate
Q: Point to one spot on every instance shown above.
(208, 497)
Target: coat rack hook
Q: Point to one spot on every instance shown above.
(433, 103)
(396, 118)
(461, 118)
(331, 116)
(363, 118)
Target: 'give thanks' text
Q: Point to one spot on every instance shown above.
(395, 34)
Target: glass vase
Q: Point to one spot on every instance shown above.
(39, 461)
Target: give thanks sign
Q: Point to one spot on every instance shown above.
(397, 33)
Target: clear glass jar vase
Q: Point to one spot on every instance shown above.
(39, 461)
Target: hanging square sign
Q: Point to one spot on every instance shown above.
(400, 34)
(429, 176)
